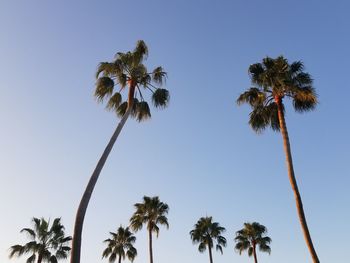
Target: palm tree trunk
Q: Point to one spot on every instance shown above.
(150, 246)
(254, 253)
(79, 219)
(210, 254)
(120, 259)
(293, 181)
(40, 258)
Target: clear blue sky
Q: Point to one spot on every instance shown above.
(199, 155)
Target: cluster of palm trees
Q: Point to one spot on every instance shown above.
(207, 233)
(273, 81)
(49, 243)
(151, 213)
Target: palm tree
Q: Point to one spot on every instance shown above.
(129, 73)
(206, 232)
(249, 237)
(151, 212)
(47, 243)
(120, 245)
(274, 80)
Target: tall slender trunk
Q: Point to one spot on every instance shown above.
(79, 219)
(40, 258)
(150, 246)
(293, 181)
(210, 254)
(254, 253)
(120, 259)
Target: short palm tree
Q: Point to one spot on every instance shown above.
(206, 233)
(275, 80)
(151, 212)
(120, 245)
(129, 73)
(251, 236)
(47, 243)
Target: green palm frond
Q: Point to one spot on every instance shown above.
(114, 101)
(202, 247)
(253, 96)
(159, 75)
(250, 251)
(219, 248)
(104, 88)
(122, 109)
(160, 98)
(143, 111)
(17, 250)
(106, 68)
(305, 99)
(30, 232)
(31, 259)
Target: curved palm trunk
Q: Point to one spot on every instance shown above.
(210, 255)
(79, 219)
(150, 246)
(254, 253)
(293, 181)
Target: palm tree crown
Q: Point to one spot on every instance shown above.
(128, 70)
(120, 245)
(206, 233)
(48, 244)
(273, 80)
(252, 235)
(151, 212)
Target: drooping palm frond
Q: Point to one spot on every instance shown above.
(104, 88)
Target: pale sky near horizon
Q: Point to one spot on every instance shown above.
(199, 155)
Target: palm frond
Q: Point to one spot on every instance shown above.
(305, 99)
(143, 111)
(104, 88)
(29, 231)
(254, 97)
(31, 259)
(159, 75)
(114, 101)
(160, 98)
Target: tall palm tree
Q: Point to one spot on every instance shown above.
(129, 73)
(274, 80)
(206, 233)
(47, 243)
(120, 245)
(251, 236)
(151, 212)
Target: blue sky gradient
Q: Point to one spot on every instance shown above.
(199, 155)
